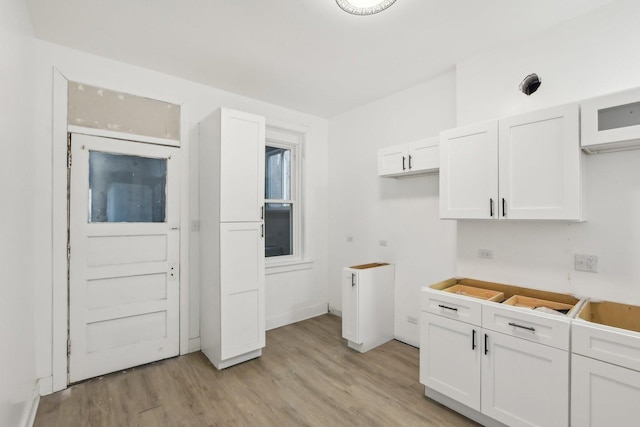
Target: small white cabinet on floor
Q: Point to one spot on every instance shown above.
(232, 306)
(414, 158)
(367, 305)
(522, 167)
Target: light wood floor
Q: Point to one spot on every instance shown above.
(307, 376)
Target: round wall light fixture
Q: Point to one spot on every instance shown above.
(364, 7)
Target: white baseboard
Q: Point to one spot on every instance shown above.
(45, 386)
(335, 311)
(296, 316)
(194, 344)
(30, 415)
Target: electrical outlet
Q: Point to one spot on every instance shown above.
(349, 239)
(412, 320)
(485, 253)
(587, 263)
(383, 243)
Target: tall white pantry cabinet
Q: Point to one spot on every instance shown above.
(232, 306)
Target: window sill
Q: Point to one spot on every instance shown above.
(277, 267)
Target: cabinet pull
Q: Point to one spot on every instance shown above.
(486, 344)
(409, 161)
(353, 279)
(262, 231)
(473, 339)
(528, 328)
(491, 208)
(504, 207)
(447, 307)
(403, 159)
(262, 212)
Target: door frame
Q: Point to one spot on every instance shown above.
(60, 290)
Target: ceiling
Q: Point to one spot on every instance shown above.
(307, 55)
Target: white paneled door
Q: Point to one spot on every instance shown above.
(124, 255)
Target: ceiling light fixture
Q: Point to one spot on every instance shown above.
(364, 7)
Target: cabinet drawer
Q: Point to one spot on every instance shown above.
(546, 329)
(456, 307)
(611, 345)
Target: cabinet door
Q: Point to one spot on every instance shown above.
(350, 315)
(469, 172)
(423, 155)
(241, 166)
(392, 160)
(450, 358)
(241, 288)
(524, 383)
(603, 394)
(540, 165)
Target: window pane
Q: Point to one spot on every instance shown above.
(126, 188)
(278, 226)
(277, 173)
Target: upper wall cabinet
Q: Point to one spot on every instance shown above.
(415, 158)
(522, 167)
(611, 122)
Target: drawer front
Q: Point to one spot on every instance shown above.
(456, 307)
(546, 329)
(611, 345)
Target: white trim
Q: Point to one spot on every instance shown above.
(194, 344)
(60, 307)
(45, 386)
(278, 124)
(59, 362)
(30, 417)
(123, 135)
(185, 232)
(288, 266)
(297, 315)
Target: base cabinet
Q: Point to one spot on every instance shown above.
(603, 394)
(451, 364)
(524, 383)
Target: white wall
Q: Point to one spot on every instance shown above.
(591, 55)
(17, 351)
(289, 296)
(403, 212)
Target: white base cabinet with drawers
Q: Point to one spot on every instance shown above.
(499, 365)
(605, 366)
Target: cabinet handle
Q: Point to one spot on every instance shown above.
(262, 231)
(353, 279)
(473, 339)
(491, 208)
(403, 159)
(448, 308)
(409, 161)
(504, 207)
(528, 328)
(262, 212)
(486, 344)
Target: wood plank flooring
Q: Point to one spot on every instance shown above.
(307, 376)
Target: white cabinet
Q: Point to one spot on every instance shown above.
(611, 122)
(524, 383)
(414, 158)
(605, 365)
(450, 358)
(232, 306)
(522, 167)
(497, 364)
(603, 394)
(367, 305)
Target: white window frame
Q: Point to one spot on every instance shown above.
(294, 141)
